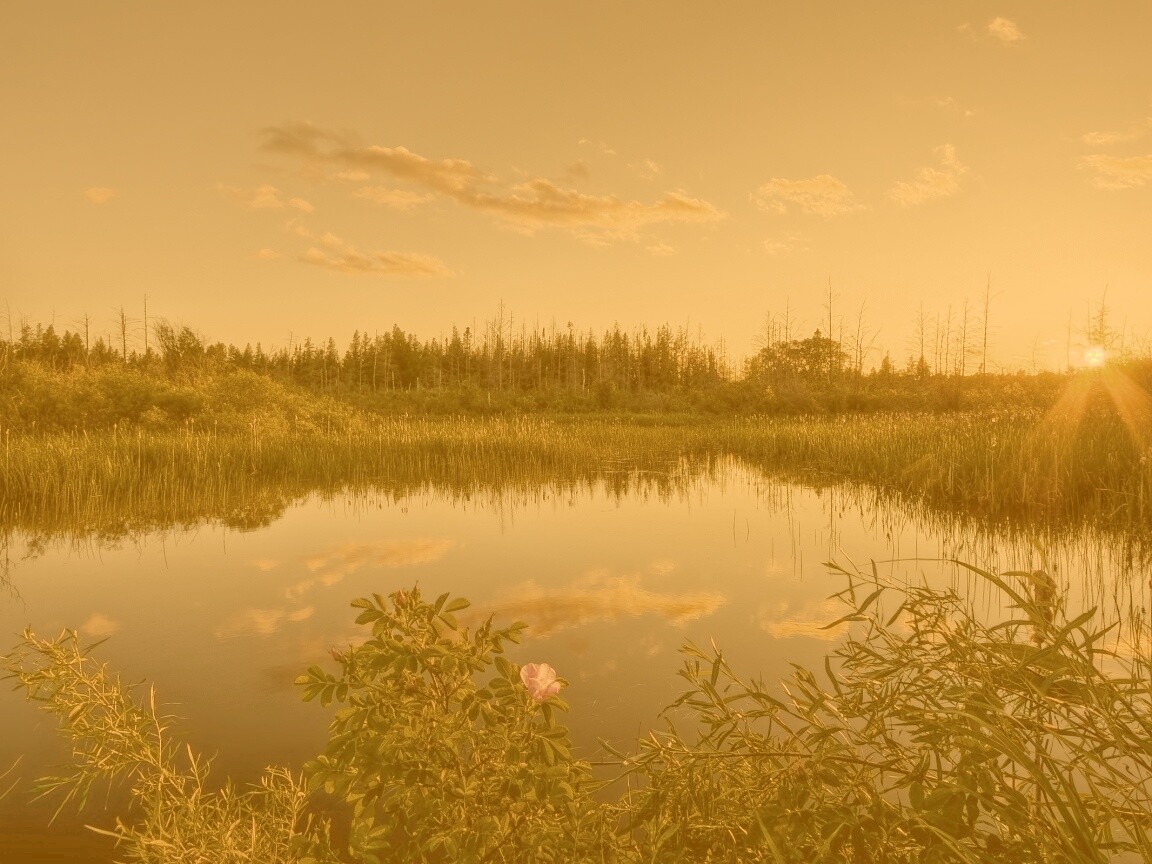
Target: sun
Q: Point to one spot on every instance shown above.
(1132, 403)
(1095, 356)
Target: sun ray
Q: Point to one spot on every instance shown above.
(1132, 405)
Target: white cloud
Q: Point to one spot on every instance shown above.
(98, 626)
(265, 197)
(647, 170)
(788, 244)
(100, 194)
(397, 199)
(949, 103)
(599, 596)
(598, 146)
(783, 620)
(527, 205)
(262, 622)
(1101, 139)
(1005, 31)
(822, 195)
(334, 253)
(1119, 172)
(938, 181)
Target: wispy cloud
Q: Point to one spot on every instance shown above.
(1005, 31)
(267, 254)
(950, 103)
(527, 205)
(783, 620)
(578, 170)
(599, 596)
(397, 199)
(647, 169)
(822, 195)
(98, 626)
(541, 202)
(788, 244)
(1119, 172)
(661, 249)
(934, 181)
(100, 194)
(265, 198)
(598, 146)
(335, 253)
(332, 565)
(262, 622)
(1133, 133)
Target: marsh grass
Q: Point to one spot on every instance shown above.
(997, 468)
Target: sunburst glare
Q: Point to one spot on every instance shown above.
(1095, 356)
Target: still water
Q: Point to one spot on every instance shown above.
(611, 584)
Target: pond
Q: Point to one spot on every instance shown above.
(612, 578)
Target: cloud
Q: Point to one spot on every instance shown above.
(262, 622)
(100, 194)
(267, 254)
(782, 620)
(527, 205)
(397, 199)
(647, 170)
(335, 253)
(1133, 133)
(450, 176)
(337, 562)
(949, 103)
(660, 249)
(599, 597)
(1005, 31)
(265, 198)
(98, 626)
(578, 170)
(939, 181)
(822, 195)
(598, 146)
(541, 202)
(789, 244)
(338, 255)
(1119, 172)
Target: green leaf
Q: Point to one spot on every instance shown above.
(457, 604)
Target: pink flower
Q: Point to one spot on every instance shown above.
(540, 679)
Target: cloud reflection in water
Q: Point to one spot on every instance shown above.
(599, 596)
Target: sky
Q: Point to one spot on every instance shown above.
(265, 171)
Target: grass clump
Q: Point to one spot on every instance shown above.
(175, 813)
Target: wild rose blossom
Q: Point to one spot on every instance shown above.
(540, 679)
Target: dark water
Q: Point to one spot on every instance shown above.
(222, 621)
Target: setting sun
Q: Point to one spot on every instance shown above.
(1095, 356)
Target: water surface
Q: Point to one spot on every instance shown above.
(610, 583)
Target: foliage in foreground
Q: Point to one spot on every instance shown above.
(175, 814)
(930, 735)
